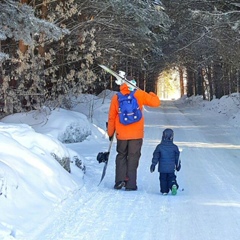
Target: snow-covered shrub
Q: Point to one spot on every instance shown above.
(66, 126)
(79, 163)
(64, 162)
(75, 132)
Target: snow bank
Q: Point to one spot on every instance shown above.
(30, 177)
(66, 126)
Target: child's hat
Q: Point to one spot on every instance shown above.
(168, 134)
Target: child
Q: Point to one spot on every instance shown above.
(166, 155)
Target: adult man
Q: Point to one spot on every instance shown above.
(129, 137)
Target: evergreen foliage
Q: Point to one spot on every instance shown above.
(205, 40)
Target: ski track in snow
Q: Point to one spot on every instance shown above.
(207, 200)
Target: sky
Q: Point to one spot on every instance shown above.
(39, 199)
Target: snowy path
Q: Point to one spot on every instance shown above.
(206, 207)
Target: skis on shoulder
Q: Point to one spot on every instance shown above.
(117, 76)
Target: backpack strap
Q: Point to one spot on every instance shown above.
(119, 94)
(132, 92)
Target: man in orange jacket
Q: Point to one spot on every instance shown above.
(129, 137)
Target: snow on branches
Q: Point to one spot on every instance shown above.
(18, 21)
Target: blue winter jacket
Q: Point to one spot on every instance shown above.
(166, 155)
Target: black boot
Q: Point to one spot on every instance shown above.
(119, 185)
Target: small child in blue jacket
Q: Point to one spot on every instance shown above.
(166, 155)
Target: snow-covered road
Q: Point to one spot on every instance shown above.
(207, 205)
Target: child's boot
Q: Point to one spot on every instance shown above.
(174, 189)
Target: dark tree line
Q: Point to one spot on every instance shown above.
(205, 41)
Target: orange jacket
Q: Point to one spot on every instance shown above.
(134, 130)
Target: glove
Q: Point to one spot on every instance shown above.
(152, 168)
(179, 166)
(110, 138)
(102, 157)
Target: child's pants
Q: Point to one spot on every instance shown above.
(167, 180)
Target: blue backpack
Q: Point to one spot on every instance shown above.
(129, 111)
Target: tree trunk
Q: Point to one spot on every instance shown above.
(218, 79)
(199, 82)
(190, 82)
(238, 79)
(41, 48)
(22, 47)
(210, 82)
(181, 81)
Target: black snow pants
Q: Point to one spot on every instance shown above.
(127, 160)
(167, 180)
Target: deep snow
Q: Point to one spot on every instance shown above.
(40, 200)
